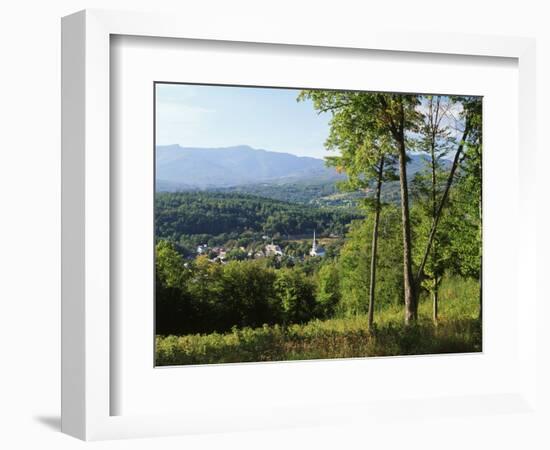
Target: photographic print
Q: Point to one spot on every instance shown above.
(298, 224)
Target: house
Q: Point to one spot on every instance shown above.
(202, 249)
(273, 250)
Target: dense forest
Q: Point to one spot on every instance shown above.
(234, 220)
(239, 276)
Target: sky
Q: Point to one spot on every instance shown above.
(224, 116)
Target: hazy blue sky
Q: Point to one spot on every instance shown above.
(220, 116)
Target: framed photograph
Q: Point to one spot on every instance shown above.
(287, 254)
(263, 231)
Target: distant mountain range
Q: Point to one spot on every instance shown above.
(185, 168)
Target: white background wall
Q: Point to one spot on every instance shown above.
(30, 198)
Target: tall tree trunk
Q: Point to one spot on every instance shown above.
(435, 293)
(431, 236)
(481, 249)
(408, 280)
(374, 248)
(409, 287)
(435, 298)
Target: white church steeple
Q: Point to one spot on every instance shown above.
(316, 251)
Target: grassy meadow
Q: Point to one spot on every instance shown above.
(458, 330)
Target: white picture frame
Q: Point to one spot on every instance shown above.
(87, 354)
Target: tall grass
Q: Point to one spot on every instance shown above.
(458, 331)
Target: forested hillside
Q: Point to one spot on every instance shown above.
(215, 213)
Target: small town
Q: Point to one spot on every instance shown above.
(222, 254)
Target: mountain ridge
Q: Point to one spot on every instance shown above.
(191, 168)
(203, 168)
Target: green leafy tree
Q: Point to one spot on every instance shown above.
(170, 268)
(296, 293)
(435, 141)
(354, 264)
(236, 254)
(466, 244)
(328, 289)
(469, 148)
(248, 297)
(366, 127)
(174, 305)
